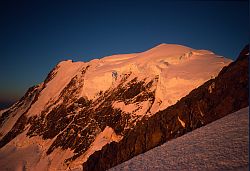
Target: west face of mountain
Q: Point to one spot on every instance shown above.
(94, 115)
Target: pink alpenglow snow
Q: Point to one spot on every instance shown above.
(83, 106)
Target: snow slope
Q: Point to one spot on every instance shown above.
(221, 145)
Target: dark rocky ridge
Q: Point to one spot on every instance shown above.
(216, 98)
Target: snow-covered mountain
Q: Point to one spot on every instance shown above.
(83, 106)
(216, 98)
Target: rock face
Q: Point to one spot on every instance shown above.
(117, 103)
(220, 145)
(216, 98)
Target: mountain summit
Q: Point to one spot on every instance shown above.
(83, 106)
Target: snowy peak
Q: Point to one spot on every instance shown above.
(216, 98)
(167, 49)
(156, 61)
(83, 106)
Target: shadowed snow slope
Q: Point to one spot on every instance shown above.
(221, 145)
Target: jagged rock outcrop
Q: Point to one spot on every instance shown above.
(216, 98)
(220, 145)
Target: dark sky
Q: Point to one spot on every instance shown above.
(36, 35)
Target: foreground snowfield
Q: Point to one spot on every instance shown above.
(221, 145)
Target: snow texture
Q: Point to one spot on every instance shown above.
(221, 145)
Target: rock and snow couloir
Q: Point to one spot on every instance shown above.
(82, 106)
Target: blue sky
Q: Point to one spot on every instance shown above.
(36, 35)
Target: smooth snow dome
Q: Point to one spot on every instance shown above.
(180, 69)
(221, 145)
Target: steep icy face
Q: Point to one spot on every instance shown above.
(77, 102)
(216, 98)
(57, 81)
(174, 63)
